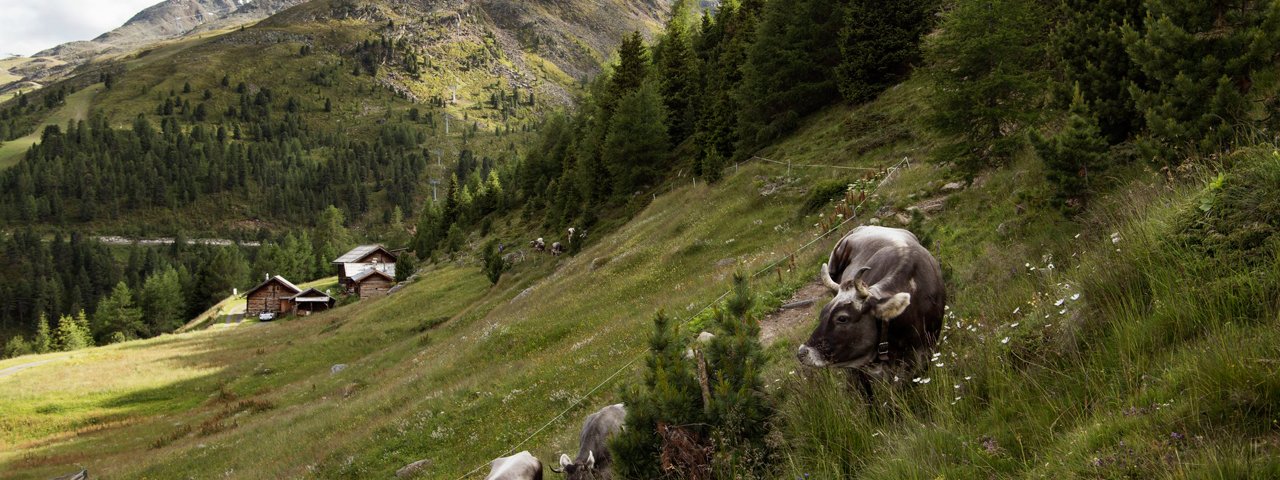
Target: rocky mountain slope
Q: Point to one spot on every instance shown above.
(167, 20)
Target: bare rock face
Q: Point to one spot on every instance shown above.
(166, 20)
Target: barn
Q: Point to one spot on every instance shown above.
(275, 295)
(312, 300)
(371, 283)
(361, 259)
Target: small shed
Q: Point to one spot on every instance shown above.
(371, 283)
(312, 300)
(274, 295)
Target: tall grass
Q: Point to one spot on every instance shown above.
(1154, 355)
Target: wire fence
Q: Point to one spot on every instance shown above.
(890, 171)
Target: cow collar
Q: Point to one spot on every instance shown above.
(882, 342)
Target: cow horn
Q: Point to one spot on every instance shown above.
(826, 279)
(858, 284)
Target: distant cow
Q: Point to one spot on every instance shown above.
(538, 245)
(557, 248)
(593, 459)
(888, 305)
(521, 466)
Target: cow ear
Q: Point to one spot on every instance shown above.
(891, 307)
(565, 461)
(591, 459)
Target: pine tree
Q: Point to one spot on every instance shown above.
(668, 393)
(1089, 46)
(724, 43)
(790, 70)
(117, 314)
(1074, 156)
(631, 70)
(676, 70)
(1204, 64)
(986, 68)
(161, 301)
(637, 144)
(879, 43)
(72, 333)
(494, 265)
(43, 341)
(16, 346)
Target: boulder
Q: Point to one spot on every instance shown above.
(413, 469)
(953, 187)
(337, 368)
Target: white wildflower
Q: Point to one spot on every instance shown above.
(1005, 340)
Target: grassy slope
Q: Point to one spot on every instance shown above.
(1097, 390)
(421, 398)
(76, 108)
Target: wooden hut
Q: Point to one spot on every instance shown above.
(311, 300)
(371, 283)
(274, 295)
(362, 258)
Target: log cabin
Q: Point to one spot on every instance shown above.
(274, 295)
(361, 259)
(371, 283)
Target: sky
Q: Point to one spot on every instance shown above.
(29, 26)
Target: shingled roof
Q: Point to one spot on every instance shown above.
(358, 253)
(278, 278)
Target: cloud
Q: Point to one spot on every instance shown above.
(29, 26)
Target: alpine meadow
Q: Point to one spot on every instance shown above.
(644, 239)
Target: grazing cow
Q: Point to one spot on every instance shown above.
(593, 452)
(538, 245)
(571, 230)
(888, 305)
(521, 466)
(557, 248)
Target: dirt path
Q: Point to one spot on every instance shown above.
(784, 322)
(20, 367)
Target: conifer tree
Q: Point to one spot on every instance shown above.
(1204, 64)
(879, 43)
(1074, 156)
(72, 333)
(986, 65)
(117, 314)
(790, 69)
(161, 301)
(637, 144)
(668, 393)
(631, 70)
(675, 65)
(1089, 46)
(43, 341)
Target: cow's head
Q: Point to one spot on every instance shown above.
(583, 470)
(847, 328)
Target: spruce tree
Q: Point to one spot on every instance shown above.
(631, 70)
(1074, 156)
(790, 69)
(676, 68)
(739, 411)
(637, 144)
(669, 393)
(161, 301)
(43, 341)
(987, 70)
(1089, 47)
(879, 43)
(1204, 64)
(117, 314)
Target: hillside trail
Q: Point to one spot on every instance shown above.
(23, 366)
(797, 312)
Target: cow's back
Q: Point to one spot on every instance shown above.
(596, 431)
